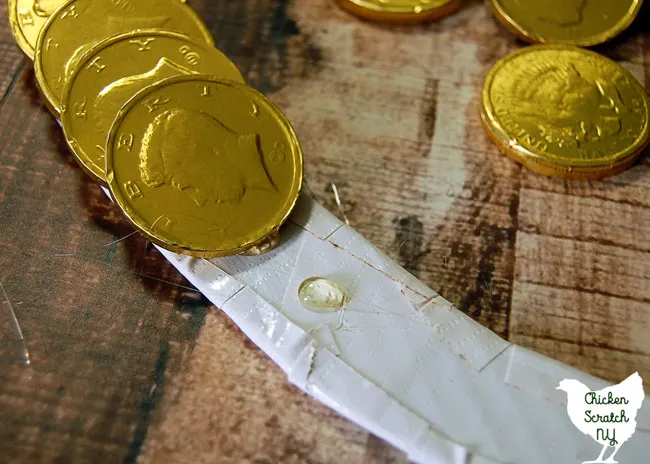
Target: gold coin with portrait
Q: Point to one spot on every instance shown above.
(114, 70)
(565, 111)
(573, 22)
(203, 166)
(27, 17)
(80, 24)
(400, 11)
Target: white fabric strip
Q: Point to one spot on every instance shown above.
(399, 359)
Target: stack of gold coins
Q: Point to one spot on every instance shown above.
(557, 109)
(197, 161)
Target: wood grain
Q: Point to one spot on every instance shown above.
(129, 363)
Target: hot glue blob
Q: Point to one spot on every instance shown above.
(321, 295)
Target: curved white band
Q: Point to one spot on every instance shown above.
(399, 359)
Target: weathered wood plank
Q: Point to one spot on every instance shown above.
(585, 219)
(593, 319)
(388, 114)
(586, 266)
(215, 412)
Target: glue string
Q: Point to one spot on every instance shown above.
(337, 197)
(17, 325)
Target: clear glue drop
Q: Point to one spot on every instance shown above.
(321, 295)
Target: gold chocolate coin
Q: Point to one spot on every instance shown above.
(114, 70)
(27, 17)
(566, 112)
(402, 11)
(203, 166)
(79, 24)
(572, 22)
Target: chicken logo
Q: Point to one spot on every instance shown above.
(608, 415)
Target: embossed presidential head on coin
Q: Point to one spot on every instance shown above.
(197, 154)
(203, 166)
(74, 28)
(116, 69)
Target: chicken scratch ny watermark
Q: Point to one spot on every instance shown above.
(608, 415)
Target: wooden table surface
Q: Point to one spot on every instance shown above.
(127, 362)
